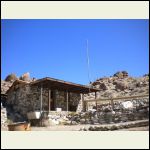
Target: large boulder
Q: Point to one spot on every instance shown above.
(125, 73)
(11, 78)
(127, 104)
(121, 85)
(25, 77)
(121, 74)
(103, 86)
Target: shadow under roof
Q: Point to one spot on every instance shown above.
(52, 84)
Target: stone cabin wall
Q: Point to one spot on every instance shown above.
(25, 98)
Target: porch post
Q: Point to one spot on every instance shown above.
(67, 99)
(49, 101)
(41, 101)
(55, 92)
(83, 103)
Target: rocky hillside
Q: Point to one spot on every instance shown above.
(120, 84)
(6, 84)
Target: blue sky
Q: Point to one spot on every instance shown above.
(57, 48)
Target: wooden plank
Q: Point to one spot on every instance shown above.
(49, 100)
(83, 102)
(41, 99)
(72, 87)
(118, 98)
(67, 99)
(41, 104)
(54, 99)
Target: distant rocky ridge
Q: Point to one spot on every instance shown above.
(120, 84)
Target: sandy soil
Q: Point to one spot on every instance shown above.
(146, 128)
(78, 127)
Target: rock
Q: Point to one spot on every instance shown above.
(103, 86)
(127, 105)
(5, 85)
(46, 122)
(122, 74)
(82, 121)
(118, 74)
(4, 121)
(25, 77)
(11, 78)
(125, 73)
(74, 123)
(121, 85)
(139, 84)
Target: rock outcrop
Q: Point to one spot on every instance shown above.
(25, 77)
(120, 84)
(5, 85)
(11, 78)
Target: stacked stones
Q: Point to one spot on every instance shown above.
(112, 127)
(19, 103)
(4, 122)
(106, 115)
(5, 85)
(27, 98)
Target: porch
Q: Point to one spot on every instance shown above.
(53, 85)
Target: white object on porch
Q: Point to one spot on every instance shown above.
(58, 109)
(34, 115)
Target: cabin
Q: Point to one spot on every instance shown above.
(47, 94)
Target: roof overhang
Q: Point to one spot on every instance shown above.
(52, 84)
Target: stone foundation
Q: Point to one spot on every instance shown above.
(4, 122)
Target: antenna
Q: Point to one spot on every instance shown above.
(88, 61)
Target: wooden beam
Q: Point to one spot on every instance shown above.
(49, 100)
(55, 98)
(83, 103)
(41, 99)
(67, 99)
(41, 105)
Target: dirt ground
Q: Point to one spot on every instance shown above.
(146, 128)
(86, 126)
(77, 128)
